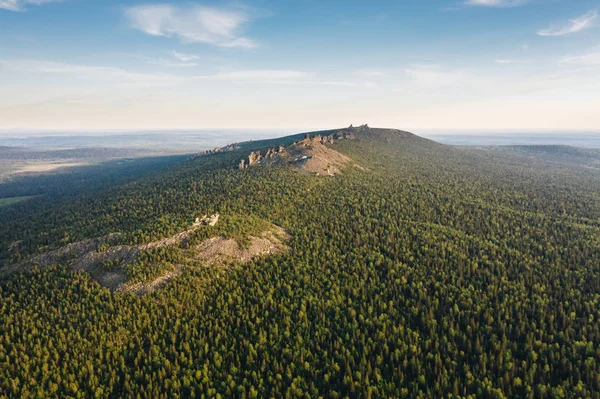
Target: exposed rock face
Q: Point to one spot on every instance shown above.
(256, 156)
(309, 154)
(329, 139)
(227, 148)
(213, 219)
(92, 254)
(207, 220)
(321, 160)
(69, 251)
(221, 250)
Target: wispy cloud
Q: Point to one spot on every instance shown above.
(184, 57)
(591, 58)
(435, 77)
(113, 75)
(94, 74)
(21, 5)
(370, 72)
(575, 25)
(256, 75)
(420, 81)
(504, 61)
(197, 24)
(159, 61)
(168, 63)
(496, 3)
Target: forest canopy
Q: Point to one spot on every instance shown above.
(426, 271)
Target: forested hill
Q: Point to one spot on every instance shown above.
(405, 268)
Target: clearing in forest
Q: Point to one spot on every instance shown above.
(112, 264)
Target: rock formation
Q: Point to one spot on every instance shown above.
(227, 148)
(207, 220)
(311, 154)
(256, 156)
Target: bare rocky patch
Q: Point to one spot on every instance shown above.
(310, 155)
(315, 157)
(157, 283)
(71, 251)
(92, 256)
(222, 250)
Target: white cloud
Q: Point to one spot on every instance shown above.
(21, 5)
(575, 25)
(184, 57)
(197, 24)
(496, 3)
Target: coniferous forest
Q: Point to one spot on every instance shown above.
(419, 271)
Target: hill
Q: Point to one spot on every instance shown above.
(413, 269)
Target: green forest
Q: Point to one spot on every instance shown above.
(421, 271)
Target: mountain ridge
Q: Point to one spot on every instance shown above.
(434, 270)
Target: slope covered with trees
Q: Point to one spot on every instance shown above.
(425, 272)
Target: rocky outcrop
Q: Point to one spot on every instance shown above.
(344, 135)
(309, 154)
(256, 157)
(92, 256)
(207, 220)
(216, 150)
(224, 251)
(61, 255)
(329, 139)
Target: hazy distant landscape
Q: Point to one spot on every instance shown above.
(200, 140)
(24, 154)
(157, 141)
(574, 139)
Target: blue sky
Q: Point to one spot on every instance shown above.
(465, 64)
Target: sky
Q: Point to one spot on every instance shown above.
(410, 64)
